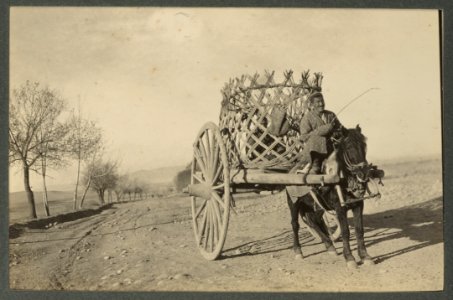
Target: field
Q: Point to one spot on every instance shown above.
(148, 245)
(59, 202)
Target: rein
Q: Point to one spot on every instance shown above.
(352, 168)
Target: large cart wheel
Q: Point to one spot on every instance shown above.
(210, 176)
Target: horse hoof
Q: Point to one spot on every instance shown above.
(352, 264)
(299, 257)
(368, 262)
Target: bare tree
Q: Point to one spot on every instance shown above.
(128, 191)
(50, 138)
(145, 189)
(89, 173)
(122, 187)
(141, 188)
(101, 176)
(33, 132)
(84, 141)
(138, 190)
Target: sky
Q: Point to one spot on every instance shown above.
(151, 77)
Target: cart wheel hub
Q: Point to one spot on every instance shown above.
(202, 190)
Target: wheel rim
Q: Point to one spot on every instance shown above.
(210, 216)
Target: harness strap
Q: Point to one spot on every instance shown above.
(340, 195)
(315, 197)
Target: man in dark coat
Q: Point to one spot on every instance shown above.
(316, 129)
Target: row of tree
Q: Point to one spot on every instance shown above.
(42, 137)
(103, 177)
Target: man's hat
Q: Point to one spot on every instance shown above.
(314, 95)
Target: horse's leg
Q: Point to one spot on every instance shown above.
(358, 224)
(294, 210)
(343, 220)
(316, 222)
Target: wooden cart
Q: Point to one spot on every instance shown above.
(255, 144)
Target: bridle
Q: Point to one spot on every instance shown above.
(356, 169)
(360, 174)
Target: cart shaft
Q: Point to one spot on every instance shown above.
(258, 177)
(204, 190)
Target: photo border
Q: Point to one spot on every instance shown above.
(446, 11)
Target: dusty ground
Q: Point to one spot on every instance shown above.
(148, 245)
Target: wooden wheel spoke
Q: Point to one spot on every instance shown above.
(200, 209)
(203, 226)
(218, 199)
(218, 230)
(220, 186)
(205, 239)
(199, 159)
(212, 229)
(215, 157)
(208, 227)
(209, 144)
(204, 153)
(217, 174)
(215, 225)
(218, 214)
(198, 178)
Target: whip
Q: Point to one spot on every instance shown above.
(353, 100)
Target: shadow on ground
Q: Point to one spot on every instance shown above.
(15, 230)
(422, 222)
(276, 243)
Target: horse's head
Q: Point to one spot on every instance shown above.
(351, 149)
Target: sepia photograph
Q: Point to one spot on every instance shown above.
(174, 149)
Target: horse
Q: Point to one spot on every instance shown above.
(349, 159)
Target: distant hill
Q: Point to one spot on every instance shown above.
(159, 176)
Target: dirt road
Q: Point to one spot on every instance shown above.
(148, 245)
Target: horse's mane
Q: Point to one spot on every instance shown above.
(355, 139)
(355, 135)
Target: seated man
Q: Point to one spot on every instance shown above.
(316, 129)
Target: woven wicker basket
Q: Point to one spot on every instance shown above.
(260, 118)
